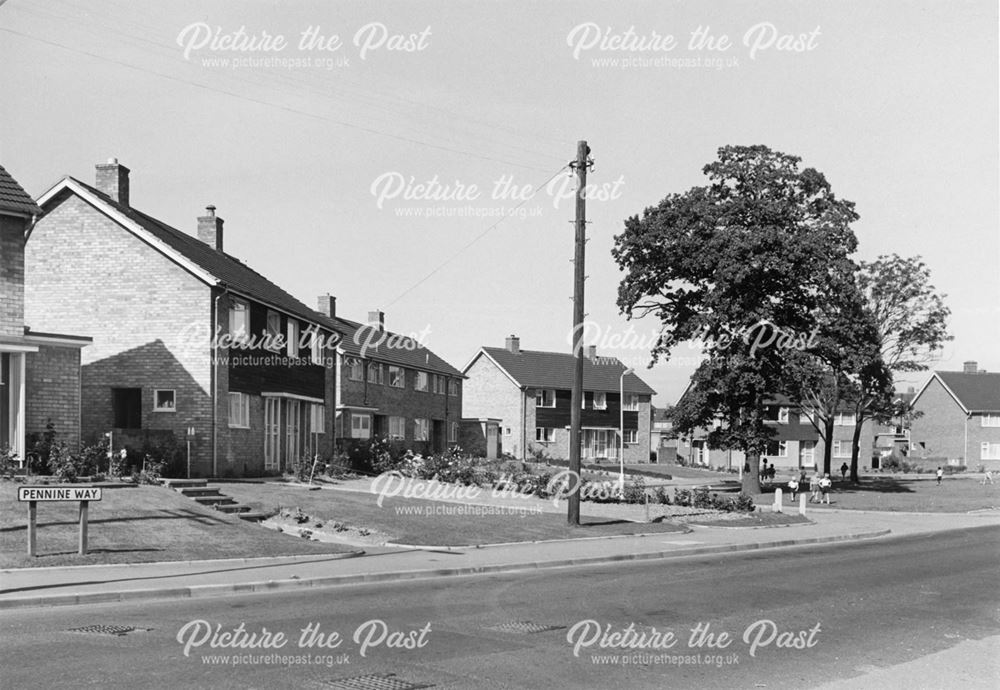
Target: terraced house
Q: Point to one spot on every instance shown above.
(390, 386)
(39, 369)
(189, 343)
(530, 392)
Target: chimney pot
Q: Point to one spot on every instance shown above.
(112, 179)
(210, 229)
(591, 353)
(327, 305)
(376, 319)
(513, 344)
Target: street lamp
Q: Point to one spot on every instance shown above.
(621, 431)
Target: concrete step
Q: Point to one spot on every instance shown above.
(253, 516)
(195, 491)
(178, 483)
(232, 508)
(214, 500)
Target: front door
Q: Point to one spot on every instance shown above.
(491, 442)
(293, 450)
(272, 434)
(126, 404)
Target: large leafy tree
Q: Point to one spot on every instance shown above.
(742, 263)
(910, 326)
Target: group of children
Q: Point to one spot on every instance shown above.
(819, 487)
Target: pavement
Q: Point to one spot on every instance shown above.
(59, 586)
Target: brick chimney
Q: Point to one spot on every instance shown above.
(970, 367)
(590, 352)
(513, 344)
(112, 179)
(210, 229)
(376, 319)
(327, 305)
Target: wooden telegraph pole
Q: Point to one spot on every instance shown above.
(580, 165)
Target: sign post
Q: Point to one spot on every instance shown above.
(57, 494)
(190, 437)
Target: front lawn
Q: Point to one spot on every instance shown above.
(956, 494)
(137, 525)
(433, 523)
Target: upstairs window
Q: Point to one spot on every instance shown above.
(600, 401)
(782, 415)
(316, 347)
(421, 382)
(239, 319)
(843, 419)
(163, 401)
(631, 402)
(293, 338)
(396, 377)
(545, 397)
(273, 340)
(376, 373)
(354, 368)
(453, 387)
(991, 420)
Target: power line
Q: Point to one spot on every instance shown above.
(474, 240)
(258, 101)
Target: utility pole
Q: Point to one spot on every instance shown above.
(580, 165)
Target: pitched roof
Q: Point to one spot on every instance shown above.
(555, 370)
(975, 392)
(13, 198)
(361, 340)
(227, 270)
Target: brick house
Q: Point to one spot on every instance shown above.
(958, 418)
(185, 337)
(530, 392)
(795, 445)
(390, 386)
(39, 370)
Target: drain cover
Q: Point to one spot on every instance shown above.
(376, 681)
(118, 630)
(524, 627)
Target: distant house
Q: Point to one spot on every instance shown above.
(185, 336)
(663, 437)
(39, 369)
(530, 392)
(795, 444)
(957, 418)
(390, 386)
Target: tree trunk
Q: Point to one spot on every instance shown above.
(856, 447)
(828, 445)
(751, 479)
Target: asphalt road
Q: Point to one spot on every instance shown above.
(796, 618)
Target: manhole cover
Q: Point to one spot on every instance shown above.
(524, 627)
(376, 681)
(118, 630)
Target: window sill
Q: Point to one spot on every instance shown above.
(239, 426)
(164, 409)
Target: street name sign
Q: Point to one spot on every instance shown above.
(58, 493)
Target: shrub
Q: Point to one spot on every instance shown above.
(634, 491)
(151, 472)
(8, 461)
(661, 496)
(682, 497)
(701, 498)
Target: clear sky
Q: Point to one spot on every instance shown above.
(896, 102)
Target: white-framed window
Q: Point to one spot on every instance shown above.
(420, 384)
(316, 347)
(273, 340)
(293, 338)
(397, 379)
(239, 319)
(631, 436)
(841, 449)
(600, 401)
(843, 419)
(990, 420)
(545, 397)
(376, 373)
(507, 431)
(441, 385)
(421, 429)
(317, 418)
(631, 402)
(782, 415)
(807, 453)
(397, 428)
(361, 425)
(989, 451)
(545, 434)
(777, 449)
(164, 400)
(239, 410)
(355, 369)
(452, 432)
(454, 386)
